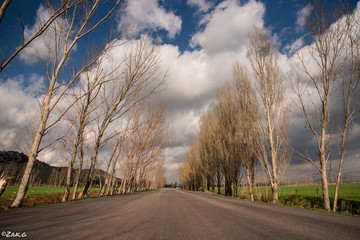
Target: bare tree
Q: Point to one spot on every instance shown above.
(349, 81)
(59, 9)
(321, 62)
(87, 93)
(263, 57)
(3, 8)
(115, 153)
(143, 149)
(154, 135)
(207, 149)
(190, 176)
(204, 156)
(236, 134)
(81, 154)
(114, 158)
(75, 25)
(134, 79)
(249, 128)
(228, 139)
(159, 180)
(228, 142)
(3, 183)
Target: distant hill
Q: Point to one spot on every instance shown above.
(13, 163)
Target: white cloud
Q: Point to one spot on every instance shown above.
(20, 113)
(148, 15)
(202, 5)
(302, 139)
(18, 110)
(187, 73)
(302, 14)
(196, 76)
(186, 126)
(49, 45)
(174, 157)
(193, 81)
(295, 46)
(175, 152)
(228, 26)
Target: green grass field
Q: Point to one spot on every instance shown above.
(306, 196)
(38, 190)
(349, 191)
(309, 196)
(37, 195)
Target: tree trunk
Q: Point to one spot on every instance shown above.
(250, 184)
(218, 182)
(77, 179)
(113, 168)
(119, 190)
(3, 184)
(68, 175)
(123, 184)
(104, 187)
(208, 183)
(325, 188)
(76, 183)
(112, 177)
(274, 160)
(79, 138)
(234, 189)
(88, 180)
(338, 179)
(67, 184)
(342, 152)
(84, 190)
(33, 154)
(228, 190)
(78, 173)
(110, 188)
(322, 152)
(131, 184)
(89, 177)
(274, 189)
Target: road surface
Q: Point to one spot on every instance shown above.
(174, 214)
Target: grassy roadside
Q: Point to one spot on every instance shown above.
(303, 196)
(309, 196)
(38, 195)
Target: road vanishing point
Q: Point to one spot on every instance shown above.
(174, 214)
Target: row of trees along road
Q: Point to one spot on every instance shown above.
(99, 103)
(329, 75)
(247, 124)
(249, 120)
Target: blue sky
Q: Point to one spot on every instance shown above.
(280, 19)
(200, 39)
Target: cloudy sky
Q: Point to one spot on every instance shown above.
(200, 40)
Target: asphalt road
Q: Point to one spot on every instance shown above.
(174, 214)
